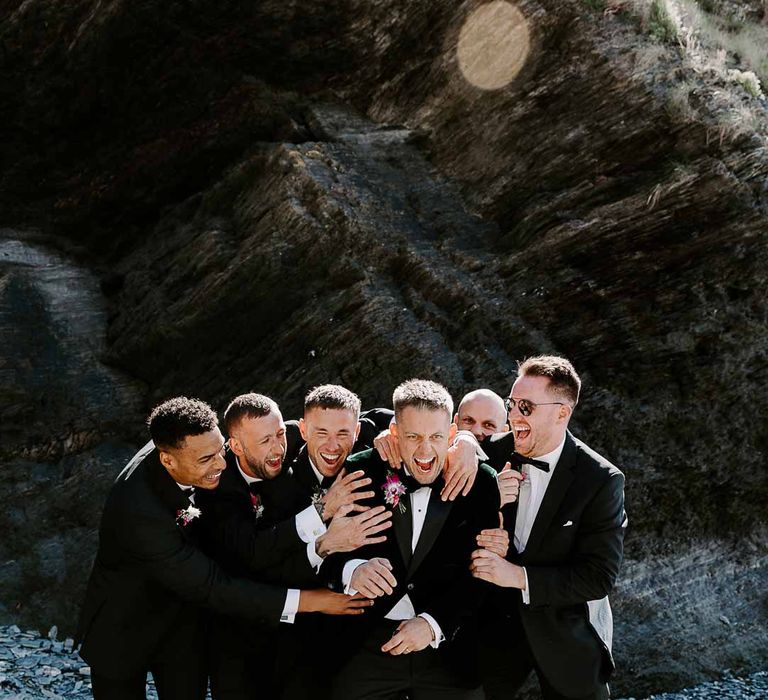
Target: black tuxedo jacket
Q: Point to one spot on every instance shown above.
(267, 548)
(572, 556)
(436, 576)
(303, 476)
(150, 578)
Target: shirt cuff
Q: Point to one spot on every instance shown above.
(309, 525)
(315, 560)
(291, 606)
(467, 434)
(439, 636)
(346, 574)
(526, 591)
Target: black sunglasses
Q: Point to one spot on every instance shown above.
(527, 407)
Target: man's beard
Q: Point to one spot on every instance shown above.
(258, 468)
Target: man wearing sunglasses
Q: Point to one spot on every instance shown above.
(549, 612)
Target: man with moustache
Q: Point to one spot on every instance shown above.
(142, 610)
(549, 612)
(418, 578)
(257, 525)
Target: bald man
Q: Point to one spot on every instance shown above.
(482, 413)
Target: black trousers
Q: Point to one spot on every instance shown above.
(174, 681)
(506, 662)
(371, 674)
(308, 658)
(242, 660)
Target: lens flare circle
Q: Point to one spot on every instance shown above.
(493, 45)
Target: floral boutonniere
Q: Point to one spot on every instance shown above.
(318, 494)
(394, 489)
(256, 506)
(186, 516)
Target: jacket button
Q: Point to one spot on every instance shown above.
(410, 586)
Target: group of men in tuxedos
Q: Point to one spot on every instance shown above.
(410, 553)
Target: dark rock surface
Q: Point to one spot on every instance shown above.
(64, 414)
(275, 196)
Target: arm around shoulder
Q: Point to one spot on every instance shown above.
(157, 547)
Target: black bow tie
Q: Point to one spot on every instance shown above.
(517, 460)
(255, 487)
(410, 482)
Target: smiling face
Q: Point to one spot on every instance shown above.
(197, 461)
(330, 434)
(482, 413)
(260, 444)
(544, 429)
(423, 435)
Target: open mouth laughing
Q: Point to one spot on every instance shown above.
(521, 431)
(332, 460)
(424, 465)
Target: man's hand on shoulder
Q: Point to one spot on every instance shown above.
(461, 467)
(388, 449)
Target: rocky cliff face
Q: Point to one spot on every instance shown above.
(283, 196)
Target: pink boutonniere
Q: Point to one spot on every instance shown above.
(394, 489)
(256, 506)
(186, 516)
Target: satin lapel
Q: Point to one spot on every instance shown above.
(171, 495)
(558, 486)
(437, 512)
(402, 523)
(302, 472)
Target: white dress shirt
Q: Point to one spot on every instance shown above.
(403, 609)
(188, 490)
(532, 491)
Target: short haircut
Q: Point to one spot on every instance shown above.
(249, 405)
(563, 379)
(174, 420)
(332, 396)
(422, 393)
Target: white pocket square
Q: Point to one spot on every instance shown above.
(568, 523)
